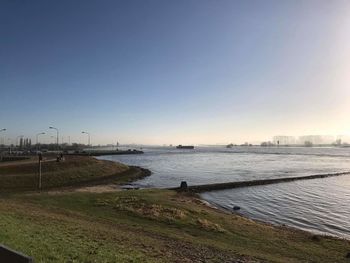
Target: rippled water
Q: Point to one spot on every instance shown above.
(320, 205)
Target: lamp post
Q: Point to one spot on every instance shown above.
(88, 136)
(1, 130)
(10, 145)
(57, 135)
(37, 139)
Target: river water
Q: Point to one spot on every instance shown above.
(320, 205)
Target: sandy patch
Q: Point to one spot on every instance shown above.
(107, 188)
(99, 188)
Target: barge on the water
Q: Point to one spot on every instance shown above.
(185, 147)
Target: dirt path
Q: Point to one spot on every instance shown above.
(104, 188)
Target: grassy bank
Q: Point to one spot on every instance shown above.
(11, 158)
(149, 226)
(75, 170)
(136, 225)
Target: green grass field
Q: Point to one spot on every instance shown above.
(139, 225)
(149, 226)
(75, 170)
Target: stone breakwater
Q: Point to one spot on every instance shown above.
(240, 184)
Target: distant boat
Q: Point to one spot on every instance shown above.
(185, 147)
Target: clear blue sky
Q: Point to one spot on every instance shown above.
(187, 71)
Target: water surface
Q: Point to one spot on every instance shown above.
(320, 205)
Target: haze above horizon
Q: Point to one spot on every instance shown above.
(175, 72)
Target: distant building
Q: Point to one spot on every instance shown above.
(343, 139)
(311, 139)
(328, 139)
(317, 139)
(267, 144)
(283, 140)
(314, 139)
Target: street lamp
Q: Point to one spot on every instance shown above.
(88, 136)
(1, 130)
(37, 139)
(9, 139)
(57, 134)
